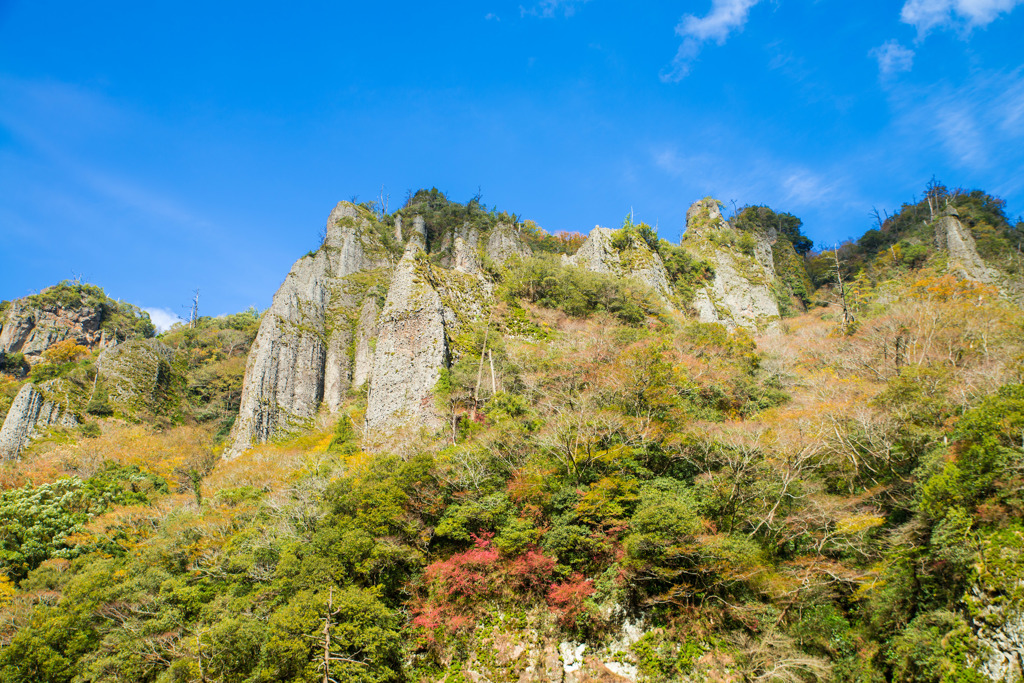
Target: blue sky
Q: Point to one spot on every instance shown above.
(156, 148)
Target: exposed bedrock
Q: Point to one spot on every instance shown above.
(742, 291)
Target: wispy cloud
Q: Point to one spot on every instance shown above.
(804, 187)
(893, 58)
(547, 9)
(978, 125)
(926, 15)
(162, 318)
(725, 17)
(53, 119)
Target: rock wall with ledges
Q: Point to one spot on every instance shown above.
(31, 329)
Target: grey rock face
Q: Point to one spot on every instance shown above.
(137, 374)
(504, 243)
(466, 258)
(741, 294)
(425, 307)
(34, 409)
(953, 236)
(337, 369)
(1000, 632)
(411, 347)
(636, 262)
(31, 330)
(418, 236)
(366, 334)
(300, 358)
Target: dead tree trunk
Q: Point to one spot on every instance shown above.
(842, 291)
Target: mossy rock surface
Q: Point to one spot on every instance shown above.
(141, 376)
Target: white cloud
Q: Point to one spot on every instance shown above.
(549, 8)
(725, 17)
(925, 15)
(893, 58)
(162, 318)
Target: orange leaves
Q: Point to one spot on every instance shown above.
(950, 288)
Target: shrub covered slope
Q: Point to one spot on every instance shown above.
(627, 495)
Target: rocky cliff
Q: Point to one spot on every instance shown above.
(742, 292)
(325, 334)
(412, 346)
(366, 339)
(956, 240)
(77, 311)
(504, 243)
(426, 306)
(30, 329)
(300, 357)
(35, 409)
(132, 379)
(632, 259)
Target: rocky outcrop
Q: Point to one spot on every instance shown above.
(634, 260)
(533, 650)
(138, 376)
(412, 346)
(300, 357)
(742, 291)
(35, 409)
(466, 257)
(504, 242)
(956, 240)
(1004, 649)
(31, 329)
(366, 338)
(426, 306)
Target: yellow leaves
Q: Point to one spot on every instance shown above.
(7, 591)
(67, 351)
(324, 442)
(857, 524)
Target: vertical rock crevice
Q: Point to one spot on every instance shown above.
(300, 357)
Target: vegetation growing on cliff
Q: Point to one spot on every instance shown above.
(811, 505)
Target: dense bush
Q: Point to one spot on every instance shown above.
(579, 293)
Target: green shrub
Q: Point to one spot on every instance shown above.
(579, 293)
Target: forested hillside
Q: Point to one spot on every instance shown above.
(627, 474)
